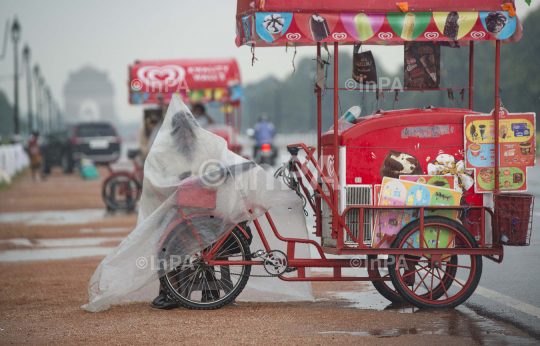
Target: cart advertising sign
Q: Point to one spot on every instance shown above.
(516, 147)
(396, 192)
(194, 80)
(271, 28)
(422, 65)
(446, 181)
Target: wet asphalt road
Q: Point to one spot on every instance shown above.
(517, 277)
(509, 291)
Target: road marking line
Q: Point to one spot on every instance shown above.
(506, 300)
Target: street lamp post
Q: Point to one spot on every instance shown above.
(39, 125)
(49, 103)
(26, 57)
(15, 36)
(42, 102)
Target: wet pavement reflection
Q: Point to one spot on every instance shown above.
(461, 321)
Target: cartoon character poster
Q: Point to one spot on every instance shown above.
(395, 192)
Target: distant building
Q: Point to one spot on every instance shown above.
(89, 96)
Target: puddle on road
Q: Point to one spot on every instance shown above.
(62, 242)
(461, 321)
(53, 254)
(106, 230)
(57, 217)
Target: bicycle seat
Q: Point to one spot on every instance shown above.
(133, 153)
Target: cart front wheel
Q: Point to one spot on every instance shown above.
(431, 280)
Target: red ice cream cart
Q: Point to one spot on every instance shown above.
(422, 195)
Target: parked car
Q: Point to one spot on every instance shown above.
(97, 141)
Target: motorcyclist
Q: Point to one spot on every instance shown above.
(264, 133)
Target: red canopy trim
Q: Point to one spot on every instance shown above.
(274, 29)
(195, 80)
(246, 7)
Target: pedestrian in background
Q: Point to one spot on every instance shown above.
(35, 156)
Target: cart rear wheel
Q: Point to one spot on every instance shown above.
(429, 280)
(387, 289)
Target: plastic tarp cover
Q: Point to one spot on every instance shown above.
(184, 158)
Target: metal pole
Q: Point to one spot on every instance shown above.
(58, 116)
(49, 111)
(239, 117)
(319, 102)
(26, 54)
(471, 74)
(496, 112)
(16, 88)
(318, 220)
(38, 99)
(335, 223)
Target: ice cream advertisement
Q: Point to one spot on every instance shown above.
(446, 182)
(422, 65)
(364, 69)
(271, 26)
(516, 134)
(455, 25)
(410, 25)
(396, 192)
(498, 24)
(510, 179)
(362, 26)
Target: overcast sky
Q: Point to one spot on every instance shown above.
(65, 35)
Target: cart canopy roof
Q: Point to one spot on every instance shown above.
(305, 22)
(194, 80)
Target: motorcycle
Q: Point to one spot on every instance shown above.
(265, 154)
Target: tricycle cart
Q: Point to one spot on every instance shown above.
(204, 81)
(432, 255)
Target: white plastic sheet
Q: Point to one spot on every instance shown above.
(13, 159)
(186, 157)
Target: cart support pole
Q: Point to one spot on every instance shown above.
(318, 91)
(496, 112)
(471, 74)
(336, 145)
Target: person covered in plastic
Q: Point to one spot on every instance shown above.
(184, 158)
(199, 112)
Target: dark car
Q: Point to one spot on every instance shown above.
(97, 141)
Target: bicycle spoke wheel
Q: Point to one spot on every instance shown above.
(196, 285)
(431, 280)
(121, 192)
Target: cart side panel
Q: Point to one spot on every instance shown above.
(404, 143)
